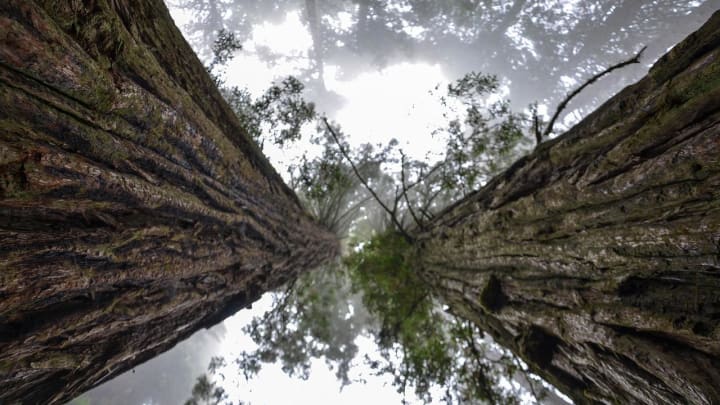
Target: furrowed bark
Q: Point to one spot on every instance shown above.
(597, 257)
(134, 209)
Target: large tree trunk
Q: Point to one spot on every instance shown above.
(134, 209)
(597, 257)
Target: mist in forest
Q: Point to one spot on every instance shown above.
(539, 51)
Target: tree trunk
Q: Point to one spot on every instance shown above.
(597, 257)
(134, 210)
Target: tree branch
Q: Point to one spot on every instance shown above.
(405, 190)
(422, 178)
(429, 202)
(527, 378)
(393, 218)
(564, 103)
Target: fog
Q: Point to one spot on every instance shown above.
(371, 65)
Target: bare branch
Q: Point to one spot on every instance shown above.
(429, 202)
(372, 192)
(353, 209)
(527, 378)
(428, 174)
(564, 103)
(425, 212)
(396, 201)
(405, 191)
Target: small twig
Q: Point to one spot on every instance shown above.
(564, 103)
(527, 378)
(426, 213)
(423, 177)
(429, 202)
(396, 201)
(393, 218)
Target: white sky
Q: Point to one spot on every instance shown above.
(290, 38)
(391, 103)
(273, 386)
(394, 102)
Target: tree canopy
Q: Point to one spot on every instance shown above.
(533, 43)
(375, 197)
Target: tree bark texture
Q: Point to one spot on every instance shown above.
(134, 209)
(597, 257)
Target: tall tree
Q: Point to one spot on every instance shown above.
(596, 258)
(134, 208)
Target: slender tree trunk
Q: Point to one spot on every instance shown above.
(597, 257)
(318, 49)
(134, 210)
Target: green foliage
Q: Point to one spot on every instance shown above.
(207, 392)
(224, 47)
(483, 135)
(314, 318)
(394, 293)
(390, 287)
(376, 290)
(421, 345)
(277, 115)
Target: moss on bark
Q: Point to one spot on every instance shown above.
(605, 242)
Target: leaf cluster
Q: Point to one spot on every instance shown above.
(483, 134)
(278, 115)
(207, 392)
(313, 318)
(421, 345)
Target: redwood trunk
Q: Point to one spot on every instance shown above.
(134, 209)
(597, 257)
